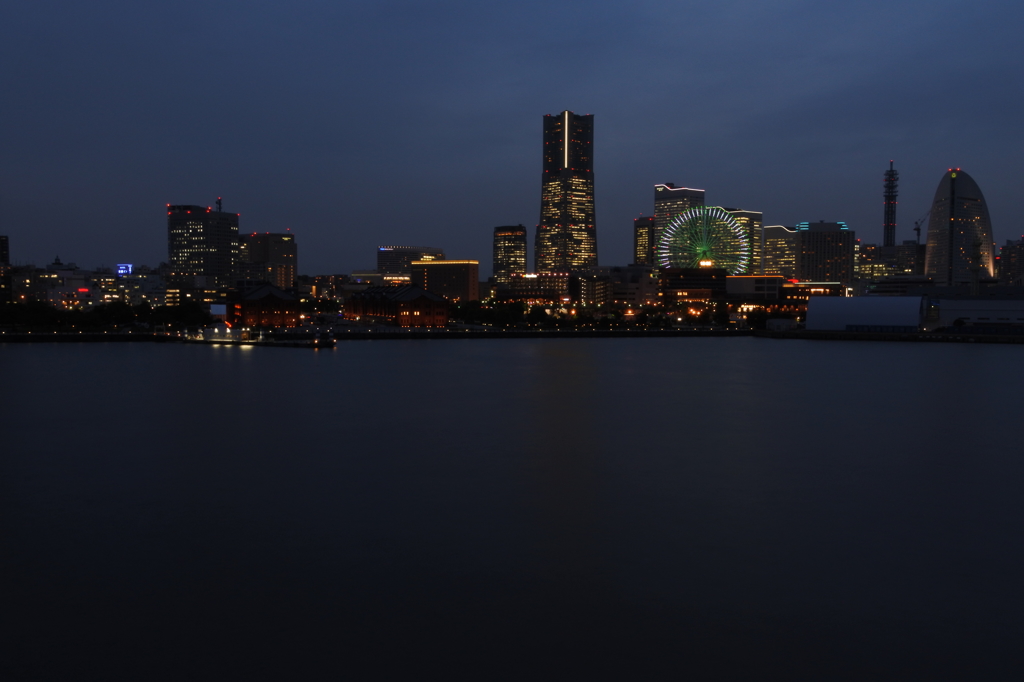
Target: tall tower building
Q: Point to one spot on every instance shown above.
(509, 252)
(273, 257)
(5, 251)
(644, 243)
(567, 234)
(892, 177)
(751, 222)
(670, 201)
(202, 242)
(960, 247)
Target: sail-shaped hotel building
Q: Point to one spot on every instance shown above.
(960, 249)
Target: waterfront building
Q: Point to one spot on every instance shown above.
(201, 242)
(265, 306)
(566, 239)
(802, 291)
(634, 285)
(670, 201)
(753, 287)
(900, 314)
(676, 285)
(998, 310)
(456, 280)
(826, 252)
(405, 306)
(960, 247)
(397, 260)
(509, 252)
(270, 257)
(751, 222)
(644, 242)
(779, 251)
(590, 288)
(537, 288)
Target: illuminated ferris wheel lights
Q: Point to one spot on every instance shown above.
(705, 237)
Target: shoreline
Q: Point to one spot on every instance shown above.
(398, 335)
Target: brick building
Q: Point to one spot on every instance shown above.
(406, 306)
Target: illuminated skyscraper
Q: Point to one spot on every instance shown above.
(644, 243)
(751, 222)
(670, 201)
(275, 257)
(567, 234)
(780, 251)
(826, 252)
(509, 252)
(960, 247)
(202, 242)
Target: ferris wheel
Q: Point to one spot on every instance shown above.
(705, 237)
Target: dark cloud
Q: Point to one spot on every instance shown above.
(355, 123)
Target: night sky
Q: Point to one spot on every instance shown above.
(357, 124)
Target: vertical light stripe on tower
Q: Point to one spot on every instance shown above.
(565, 143)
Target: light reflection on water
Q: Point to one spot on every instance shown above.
(617, 505)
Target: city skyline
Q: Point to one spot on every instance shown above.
(97, 119)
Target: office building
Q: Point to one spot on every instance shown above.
(670, 201)
(644, 241)
(456, 280)
(779, 251)
(509, 252)
(751, 222)
(678, 285)
(960, 247)
(397, 260)
(566, 239)
(201, 243)
(826, 252)
(537, 288)
(753, 287)
(635, 285)
(1011, 262)
(270, 257)
(870, 263)
(907, 258)
(5, 251)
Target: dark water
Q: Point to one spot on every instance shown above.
(513, 509)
